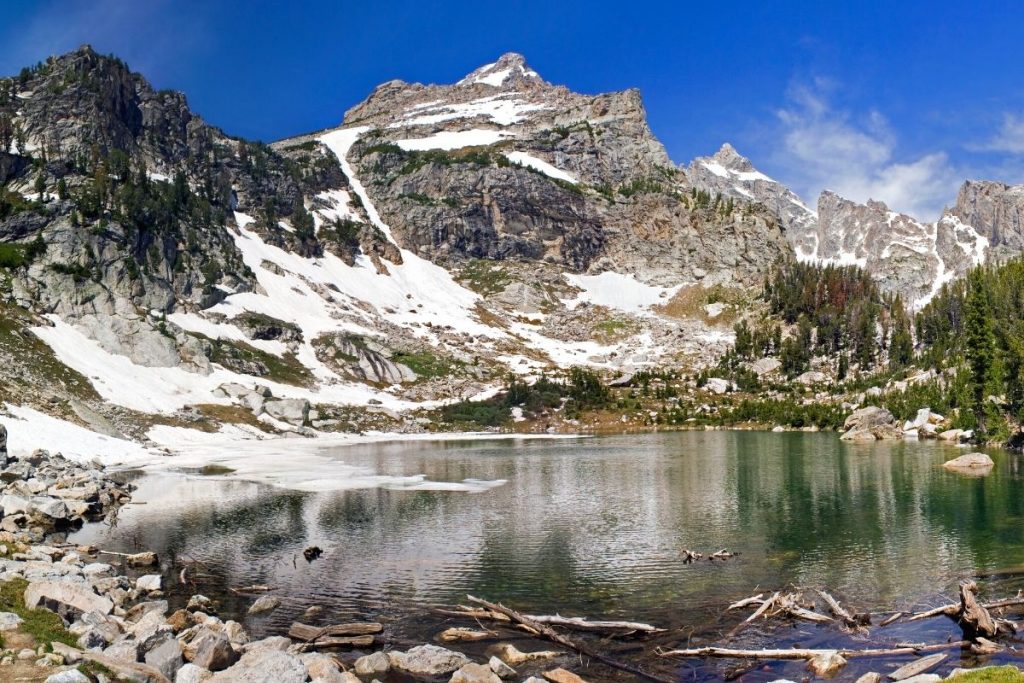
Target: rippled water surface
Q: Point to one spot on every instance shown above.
(593, 526)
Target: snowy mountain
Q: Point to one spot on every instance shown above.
(905, 255)
(160, 274)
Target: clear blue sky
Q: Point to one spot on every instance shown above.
(896, 101)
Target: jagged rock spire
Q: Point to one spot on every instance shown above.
(511, 69)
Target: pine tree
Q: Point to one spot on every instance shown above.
(980, 341)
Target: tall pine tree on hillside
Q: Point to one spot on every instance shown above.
(979, 336)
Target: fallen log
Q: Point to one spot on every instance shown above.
(575, 623)
(972, 617)
(559, 639)
(689, 556)
(890, 619)
(838, 610)
(458, 635)
(746, 602)
(328, 642)
(919, 667)
(765, 606)
(804, 653)
(304, 632)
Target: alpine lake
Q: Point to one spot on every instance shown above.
(597, 527)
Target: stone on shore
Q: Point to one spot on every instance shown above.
(562, 676)
(376, 663)
(428, 660)
(977, 464)
(474, 673)
(69, 676)
(9, 621)
(190, 673)
(870, 424)
(66, 598)
(212, 650)
(264, 665)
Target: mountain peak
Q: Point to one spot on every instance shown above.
(728, 156)
(510, 69)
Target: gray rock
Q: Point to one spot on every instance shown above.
(264, 666)
(429, 660)
(123, 651)
(166, 657)
(212, 650)
(190, 673)
(66, 598)
(12, 504)
(370, 665)
(502, 669)
(978, 464)
(69, 676)
(149, 582)
(294, 411)
(9, 621)
(475, 673)
(266, 603)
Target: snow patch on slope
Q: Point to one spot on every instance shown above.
(619, 292)
(544, 167)
(505, 109)
(28, 429)
(448, 140)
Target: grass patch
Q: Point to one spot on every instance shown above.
(613, 328)
(992, 674)
(484, 277)
(32, 362)
(427, 365)
(217, 415)
(242, 357)
(42, 624)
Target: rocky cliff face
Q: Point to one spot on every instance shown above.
(908, 257)
(503, 165)
(732, 175)
(996, 211)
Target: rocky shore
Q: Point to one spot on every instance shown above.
(78, 614)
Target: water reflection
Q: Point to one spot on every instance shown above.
(594, 526)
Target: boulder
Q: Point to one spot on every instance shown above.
(950, 435)
(501, 668)
(212, 650)
(190, 673)
(370, 665)
(266, 603)
(765, 366)
(717, 385)
(826, 664)
(12, 504)
(428, 660)
(166, 657)
(294, 411)
(812, 377)
(66, 598)
(69, 676)
(149, 582)
(970, 463)
(264, 665)
(870, 423)
(474, 673)
(9, 621)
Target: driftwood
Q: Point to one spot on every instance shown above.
(559, 639)
(455, 635)
(890, 619)
(689, 556)
(345, 641)
(972, 617)
(917, 667)
(807, 653)
(574, 623)
(255, 588)
(721, 555)
(746, 602)
(317, 634)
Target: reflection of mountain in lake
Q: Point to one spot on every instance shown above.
(597, 525)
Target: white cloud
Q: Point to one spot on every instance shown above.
(1009, 138)
(855, 156)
